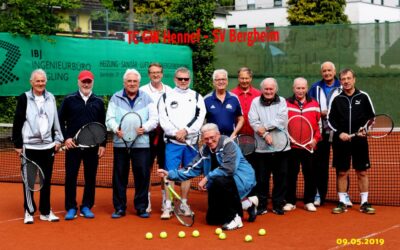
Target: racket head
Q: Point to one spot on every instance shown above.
(246, 143)
(186, 220)
(128, 125)
(91, 134)
(300, 130)
(379, 126)
(280, 140)
(32, 175)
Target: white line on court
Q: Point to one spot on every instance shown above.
(368, 236)
(36, 216)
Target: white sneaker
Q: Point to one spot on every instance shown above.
(310, 207)
(234, 224)
(348, 202)
(28, 218)
(317, 201)
(289, 207)
(50, 217)
(167, 213)
(185, 209)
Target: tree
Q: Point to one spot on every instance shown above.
(28, 17)
(316, 12)
(187, 17)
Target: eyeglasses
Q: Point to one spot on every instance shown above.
(183, 78)
(87, 81)
(221, 80)
(156, 72)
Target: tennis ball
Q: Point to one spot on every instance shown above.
(181, 234)
(248, 238)
(262, 232)
(218, 231)
(149, 236)
(196, 233)
(163, 235)
(222, 236)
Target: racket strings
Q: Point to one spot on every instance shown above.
(300, 130)
(247, 144)
(92, 134)
(381, 126)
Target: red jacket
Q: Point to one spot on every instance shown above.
(310, 110)
(245, 99)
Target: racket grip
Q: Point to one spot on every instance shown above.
(63, 148)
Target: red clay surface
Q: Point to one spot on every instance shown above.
(298, 229)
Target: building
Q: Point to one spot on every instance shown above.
(261, 13)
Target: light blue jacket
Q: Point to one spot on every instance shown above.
(231, 163)
(144, 106)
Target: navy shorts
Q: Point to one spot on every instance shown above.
(355, 151)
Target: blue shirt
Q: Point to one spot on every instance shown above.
(225, 113)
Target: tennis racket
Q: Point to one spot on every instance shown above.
(280, 140)
(128, 125)
(301, 132)
(177, 201)
(247, 143)
(90, 135)
(32, 175)
(376, 127)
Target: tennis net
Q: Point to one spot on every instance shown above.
(384, 175)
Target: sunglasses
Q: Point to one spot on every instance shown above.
(183, 78)
(86, 81)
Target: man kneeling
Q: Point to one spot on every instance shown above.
(229, 179)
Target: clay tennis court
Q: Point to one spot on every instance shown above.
(298, 229)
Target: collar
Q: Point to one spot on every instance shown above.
(266, 102)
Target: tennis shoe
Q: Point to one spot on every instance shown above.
(348, 202)
(278, 211)
(118, 214)
(341, 208)
(310, 207)
(289, 207)
(252, 210)
(85, 212)
(28, 218)
(167, 213)
(234, 224)
(317, 200)
(50, 217)
(143, 214)
(261, 211)
(71, 214)
(367, 208)
(185, 208)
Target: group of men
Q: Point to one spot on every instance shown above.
(173, 119)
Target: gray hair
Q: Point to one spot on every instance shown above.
(300, 79)
(38, 72)
(329, 63)
(182, 70)
(132, 71)
(270, 79)
(209, 127)
(219, 71)
(246, 69)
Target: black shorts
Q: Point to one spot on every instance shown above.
(356, 151)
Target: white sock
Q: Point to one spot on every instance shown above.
(184, 201)
(168, 203)
(163, 196)
(317, 194)
(342, 196)
(246, 203)
(364, 197)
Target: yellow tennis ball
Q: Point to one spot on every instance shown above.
(222, 236)
(248, 238)
(149, 236)
(163, 235)
(181, 234)
(196, 233)
(218, 230)
(262, 232)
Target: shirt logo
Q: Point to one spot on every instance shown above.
(212, 106)
(358, 102)
(174, 104)
(229, 106)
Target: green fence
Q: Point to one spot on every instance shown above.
(372, 50)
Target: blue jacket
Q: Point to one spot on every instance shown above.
(144, 106)
(231, 163)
